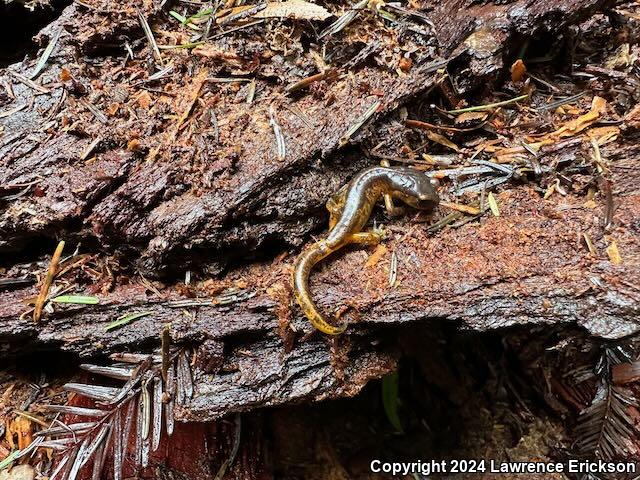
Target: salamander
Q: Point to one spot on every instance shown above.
(349, 211)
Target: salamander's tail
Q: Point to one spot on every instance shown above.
(303, 266)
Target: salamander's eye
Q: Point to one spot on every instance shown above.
(435, 183)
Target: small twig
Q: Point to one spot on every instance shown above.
(166, 354)
(562, 101)
(240, 15)
(29, 83)
(101, 117)
(51, 273)
(489, 106)
(305, 82)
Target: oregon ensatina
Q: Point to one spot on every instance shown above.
(349, 211)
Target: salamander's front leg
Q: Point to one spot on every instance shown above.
(392, 210)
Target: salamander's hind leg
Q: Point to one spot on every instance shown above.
(373, 237)
(335, 206)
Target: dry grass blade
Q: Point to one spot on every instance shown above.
(77, 462)
(95, 392)
(79, 411)
(51, 273)
(157, 413)
(146, 410)
(357, 125)
(393, 269)
(247, 12)
(281, 148)
(117, 446)
(150, 38)
(138, 431)
(61, 444)
(170, 394)
(344, 20)
(46, 54)
(134, 357)
(98, 463)
(101, 117)
(489, 106)
(74, 428)
(563, 101)
(93, 447)
(8, 113)
(185, 380)
(60, 468)
(110, 372)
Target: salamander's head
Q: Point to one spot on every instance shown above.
(415, 189)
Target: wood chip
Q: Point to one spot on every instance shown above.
(295, 9)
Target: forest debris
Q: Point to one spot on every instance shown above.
(623, 373)
(22, 428)
(461, 208)
(196, 86)
(51, 273)
(614, 253)
(11, 111)
(592, 248)
(442, 140)
(393, 269)
(296, 9)
(357, 125)
(518, 71)
(563, 101)
(90, 148)
(101, 117)
(344, 20)
(165, 340)
(493, 204)
(598, 108)
(375, 257)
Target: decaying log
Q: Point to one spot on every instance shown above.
(191, 203)
(526, 267)
(140, 190)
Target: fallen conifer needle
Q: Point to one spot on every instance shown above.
(51, 273)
